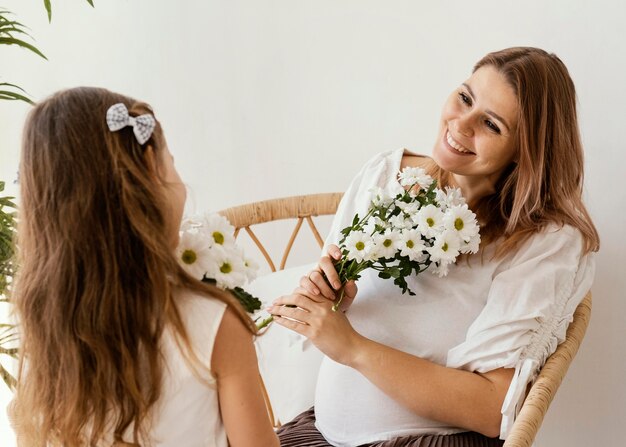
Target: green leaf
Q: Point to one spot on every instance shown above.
(21, 43)
(248, 301)
(48, 6)
(91, 3)
(8, 378)
(12, 96)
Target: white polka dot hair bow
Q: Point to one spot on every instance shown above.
(143, 125)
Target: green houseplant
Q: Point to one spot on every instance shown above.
(8, 333)
(12, 33)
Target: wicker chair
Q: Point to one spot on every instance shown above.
(305, 208)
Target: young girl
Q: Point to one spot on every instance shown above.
(450, 366)
(119, 344)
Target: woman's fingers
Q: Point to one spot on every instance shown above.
(349, 293)
(327, 266)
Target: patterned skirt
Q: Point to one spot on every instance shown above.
(301, 432)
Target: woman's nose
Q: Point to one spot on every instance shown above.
(465, 125)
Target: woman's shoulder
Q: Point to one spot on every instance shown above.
(415, 160)
(198, 309)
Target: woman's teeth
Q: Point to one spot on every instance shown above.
(456, 145)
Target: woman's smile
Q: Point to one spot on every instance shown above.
(455, 146)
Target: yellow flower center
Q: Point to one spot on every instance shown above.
(226, 268)
(444, 247)
(410, 243)
(430, 221)
(218, 237)
(387, 242)
(359, 245)
(189, 257)
(458, 224)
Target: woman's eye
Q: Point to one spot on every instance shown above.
(492, 126)
(466, 99)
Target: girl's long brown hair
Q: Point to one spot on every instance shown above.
(94, 291)
(545, 184)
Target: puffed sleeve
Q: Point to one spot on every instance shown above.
(377, 172)
(530, 303)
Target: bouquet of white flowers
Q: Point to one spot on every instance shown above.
(407, 232)
(207, 251)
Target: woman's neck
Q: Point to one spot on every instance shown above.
(474, 188)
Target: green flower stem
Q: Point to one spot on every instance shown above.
(265, 323)
(338, 302)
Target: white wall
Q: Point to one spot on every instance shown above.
(263, 99)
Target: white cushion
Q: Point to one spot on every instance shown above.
(288, 362)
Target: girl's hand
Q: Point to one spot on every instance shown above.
(313, 317)
(324, 280)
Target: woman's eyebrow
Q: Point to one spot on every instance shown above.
(488, 112)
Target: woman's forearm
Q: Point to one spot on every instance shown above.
(460, 398)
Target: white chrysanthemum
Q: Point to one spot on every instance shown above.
(449, 198)
(400, 222)
(380, 197)
(445, 247)
(386, 244)
(410, 209)
(193, 253)
(429, 220)
(359, 245)
(227, 267)
(459, 218)
(251, 268)
(412, 245)
(415, 176)
(472, 246)
(218, 229)
(373, 222)
(442, 269)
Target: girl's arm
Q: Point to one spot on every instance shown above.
(234, 363)
(459, 398)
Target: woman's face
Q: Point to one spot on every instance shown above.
(175, 192)
(477, 129)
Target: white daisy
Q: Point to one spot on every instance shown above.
(219, 230)
(400, 222)
(193, 253)
(412, 245)
(441, 269)
(408, 208)
(459, 218)
(380, 197)
(472, 245)
(252, 268)
(415, 176)
(446, 247)
(227, 267)
(359, 245)
(429, 220)
(386, 244)
(451, 197)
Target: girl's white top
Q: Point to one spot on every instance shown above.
(187, 413)
(506, 313)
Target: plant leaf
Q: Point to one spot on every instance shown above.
(248, 301)
(12, 96)
(48, 6)
(21, 43)
(91, 3)
(8, 378)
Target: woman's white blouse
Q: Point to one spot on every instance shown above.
(486, 314)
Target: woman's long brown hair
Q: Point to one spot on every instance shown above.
(545, 184)
(97, 275)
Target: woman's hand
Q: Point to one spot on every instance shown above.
(312, 316)
(324, 281)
